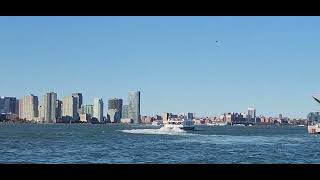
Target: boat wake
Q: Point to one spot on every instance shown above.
(162, 130)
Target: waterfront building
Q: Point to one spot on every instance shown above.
(234, 118)
(70, 108)
(98, 109)
(126, 120)
(115, 103)
(142, 119)
(87, 109)
(28, 107)
(114, 115)
(9, 105)
(280, 116)
(165, 117)
(134, 106)
(314, 116)
(125, 111)
(251, 116)
(148, 120)
(48, 108)
(190, 115)
(79, 98)
(12, 117)
(85, 118)
(58, 109)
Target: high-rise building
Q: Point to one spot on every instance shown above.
(78, 96)
(48, 108)
(69, 107)
(190, 116)
(125, 111)
(17, 107)
(134, 106)
(28, 108)
(165, 117)
(8, 105)
(251, 114)
(314, 116)
(114, 116)
(115, 103)
(58, 109)
(87, 109)
(280, 116)
(98, 109)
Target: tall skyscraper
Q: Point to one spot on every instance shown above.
(17, 107)
(190, 115)
(114, 115)
(58, 109)
(134, 106)
(280, 116)
(78, 96)
(87, 109)
(28, 107)
(98, 109)
(125, 111)
(115, 105)
(69, 107)
(165, 117)
(48, 108)
(8, 105)
(251, 114)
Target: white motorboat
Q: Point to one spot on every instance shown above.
(314, 128)
(185, 124)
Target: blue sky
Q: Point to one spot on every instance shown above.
(271, 63)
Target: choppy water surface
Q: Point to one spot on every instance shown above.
(115, 143)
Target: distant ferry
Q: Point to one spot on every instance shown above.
(185, 124)
(314, 128)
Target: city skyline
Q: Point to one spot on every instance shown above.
(206, 65)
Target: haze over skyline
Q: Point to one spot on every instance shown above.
(206, 65)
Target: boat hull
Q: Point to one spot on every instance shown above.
(179, 126)
(314, 129)
(187, 128)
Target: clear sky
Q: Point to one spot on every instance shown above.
(271, 63)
